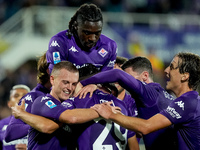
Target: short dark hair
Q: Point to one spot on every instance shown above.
(42, 66)
(64, 65)
(190, 63)
(87, 71)
(86, 12)
(120, 60)
(139, 64)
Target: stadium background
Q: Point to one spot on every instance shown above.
(157, 29)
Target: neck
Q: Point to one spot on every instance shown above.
(181, 90)
(121, 95)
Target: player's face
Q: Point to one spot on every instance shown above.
(16, 95)
(64, 84)
(89, 33)
(173, 75)
(135, 74)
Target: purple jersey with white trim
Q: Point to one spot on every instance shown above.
(49, 107)
(61, 48)
(9, 145)
(17, 128)
(100, 133)
(184, 113)
(150, 99)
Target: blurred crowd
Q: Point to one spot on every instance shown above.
(10, 7)
(26, 74)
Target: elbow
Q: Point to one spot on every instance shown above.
(146, 129)
(72, 120)
(48, 129)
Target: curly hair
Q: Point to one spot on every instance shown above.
(86, 12)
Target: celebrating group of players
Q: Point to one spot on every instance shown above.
(123, 104)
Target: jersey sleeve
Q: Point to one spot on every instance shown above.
(16, 129)
(109, 64)
(128, 82)
(57, 51)
(180, 110)
(49, 108)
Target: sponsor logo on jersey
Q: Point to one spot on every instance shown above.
(103, 52)
(111, 63)
(180, 104)
(173, 112)
(54, 44)
(56, 57)
(168, 96)
(28, 98)
(50, 104)
(66, 104)
(73, 49)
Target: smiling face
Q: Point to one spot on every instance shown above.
(64, 84)
(173, 75)
(88, 33)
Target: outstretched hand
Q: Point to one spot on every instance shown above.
(86, 89)
(17, 109)
(106, 110)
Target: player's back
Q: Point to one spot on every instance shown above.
(100, 133)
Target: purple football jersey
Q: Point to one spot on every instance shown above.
(101, 133)
(131, 105)
(17, 128)
(9, 145)
(49, 107)
(184, 113)
(150, 99)
(61, 48)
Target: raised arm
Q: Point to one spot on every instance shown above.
(115, 75)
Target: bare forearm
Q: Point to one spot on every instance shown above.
(141, 125)
(75, 116)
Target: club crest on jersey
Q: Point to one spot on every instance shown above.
(103, 52)
(54, 44)
(50, 104)
(56, 57)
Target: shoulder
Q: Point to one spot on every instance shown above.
(107, 41)
(61, 34)
(5, 121)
